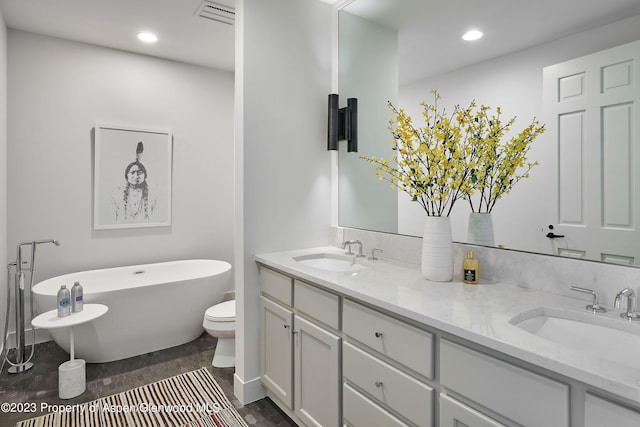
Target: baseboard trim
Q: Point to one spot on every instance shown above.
(249, 391)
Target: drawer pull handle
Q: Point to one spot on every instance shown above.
(378, 334)
(287, 326)
(378, 384)
(294, 332)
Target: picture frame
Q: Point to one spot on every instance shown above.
(132, 177)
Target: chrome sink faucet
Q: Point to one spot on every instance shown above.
(631, 304)
(373, 256)
(348, 243)
(595, 307)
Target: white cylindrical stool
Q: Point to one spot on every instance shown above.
(72, 380)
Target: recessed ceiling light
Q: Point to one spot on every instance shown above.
(472, 35)
(147, 37)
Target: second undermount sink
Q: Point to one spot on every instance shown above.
(330, 262)
(605, 337)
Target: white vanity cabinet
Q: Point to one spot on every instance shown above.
(300, 348)
(385, 364)
(332, 356)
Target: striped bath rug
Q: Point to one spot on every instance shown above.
(193, 399)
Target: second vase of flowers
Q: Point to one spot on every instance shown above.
(480, 229)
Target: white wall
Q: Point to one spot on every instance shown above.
(513, 82)
(3, 169)
(58, 90)
(283, 68)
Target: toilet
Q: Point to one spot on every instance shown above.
(220, 322)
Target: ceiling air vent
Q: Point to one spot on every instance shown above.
(217, 12)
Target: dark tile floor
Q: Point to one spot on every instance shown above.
(40, 384)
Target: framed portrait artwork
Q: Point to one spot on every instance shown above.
(132, 178)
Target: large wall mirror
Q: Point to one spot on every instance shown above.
(397, 50)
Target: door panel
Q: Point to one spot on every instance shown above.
(317, 375)
(276, 367)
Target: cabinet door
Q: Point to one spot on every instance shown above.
(276, 350)
(317, 375)
(455, 414)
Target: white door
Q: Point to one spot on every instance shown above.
(591, 107)
(317, 375)
(276, 350)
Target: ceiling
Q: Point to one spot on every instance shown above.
(429, 30)
(182, 34)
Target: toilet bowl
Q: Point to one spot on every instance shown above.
(220, 322)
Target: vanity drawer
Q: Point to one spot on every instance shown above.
(400, 341)
(600, 412)
(277, 286)
(384, 383)
(455, 414)
(317, 304)
(361, 412)
(522, 396)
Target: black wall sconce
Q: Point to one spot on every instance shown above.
(343, 124)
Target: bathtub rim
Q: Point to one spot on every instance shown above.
(50, 286)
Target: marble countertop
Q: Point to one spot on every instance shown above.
(478, 313)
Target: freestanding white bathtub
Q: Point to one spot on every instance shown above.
(151, 306)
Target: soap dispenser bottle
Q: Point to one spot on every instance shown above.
(76, 297)
(470, 269)
(64, 302)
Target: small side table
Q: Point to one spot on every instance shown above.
(72, 379)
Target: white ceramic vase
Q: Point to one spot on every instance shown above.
(480, 229)
(437, 249)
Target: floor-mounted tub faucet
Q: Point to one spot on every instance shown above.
(22, 363)
(631, 304)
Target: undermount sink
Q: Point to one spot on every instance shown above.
(330, 262)
(605, 337)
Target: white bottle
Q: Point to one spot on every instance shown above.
(64, 302)
(76, 297)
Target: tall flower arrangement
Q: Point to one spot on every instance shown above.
(433, 163)
(461, 155)
(500, 163)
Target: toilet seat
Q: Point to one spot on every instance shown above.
(223, 312)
